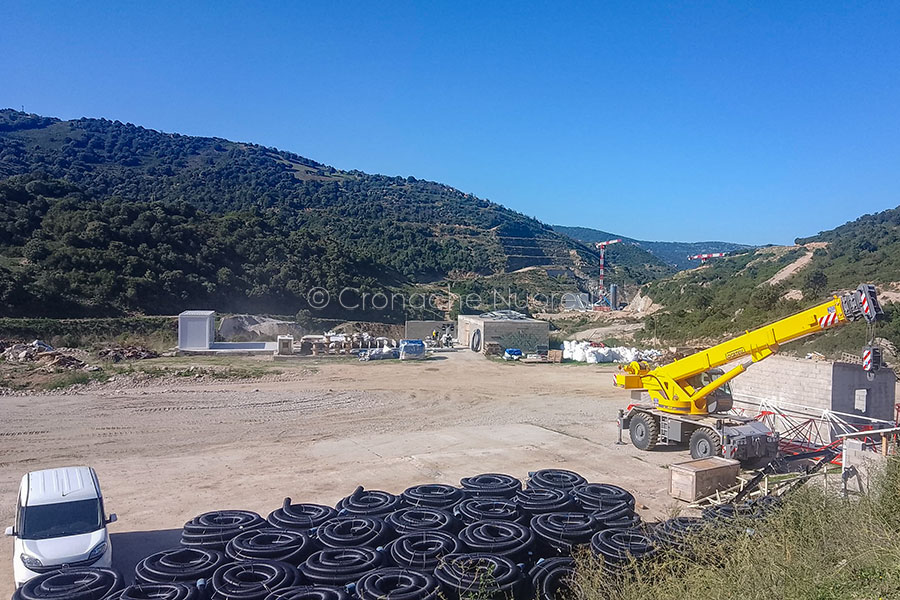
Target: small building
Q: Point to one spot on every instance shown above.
(507, 328)
(196, 329)
(197, 335)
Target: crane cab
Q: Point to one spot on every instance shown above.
(721, 400)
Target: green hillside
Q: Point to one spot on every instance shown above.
(108, 218)
(674, 254)
(867, 249)
(66, 253)
(730, 295)
(420, 228)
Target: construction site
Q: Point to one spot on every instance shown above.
(470, 457)
(449, 301)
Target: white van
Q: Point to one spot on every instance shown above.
(59, 521)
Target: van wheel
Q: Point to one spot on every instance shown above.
(644, 431)
(705, 442)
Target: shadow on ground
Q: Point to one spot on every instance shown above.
(130, 547)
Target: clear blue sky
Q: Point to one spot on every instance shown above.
(754, 122)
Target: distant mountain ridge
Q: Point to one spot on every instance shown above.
(672, 253)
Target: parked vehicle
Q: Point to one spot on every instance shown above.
(59, 522)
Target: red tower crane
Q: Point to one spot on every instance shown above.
(706, 256)
(602, 247)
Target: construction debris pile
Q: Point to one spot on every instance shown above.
(488, 538)
(119, 353)
(50, 359)
(587, 352)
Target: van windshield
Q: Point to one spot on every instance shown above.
(63, 518)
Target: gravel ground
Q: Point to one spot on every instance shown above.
(167, 451)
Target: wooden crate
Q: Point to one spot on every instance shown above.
(555, 356)
(699, 478)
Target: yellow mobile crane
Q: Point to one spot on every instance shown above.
(691, 396)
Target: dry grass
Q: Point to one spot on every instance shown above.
(817, 546)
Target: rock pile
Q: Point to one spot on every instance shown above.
(41, 352)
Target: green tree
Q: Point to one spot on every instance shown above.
(816, 282)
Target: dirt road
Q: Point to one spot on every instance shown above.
(164, 455)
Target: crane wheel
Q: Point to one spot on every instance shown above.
(644, 431)
(705, 442)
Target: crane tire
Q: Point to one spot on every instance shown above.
(705, 442)
(644, 431)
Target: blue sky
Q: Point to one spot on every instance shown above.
(753, 122)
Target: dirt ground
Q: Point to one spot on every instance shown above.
(165, 453)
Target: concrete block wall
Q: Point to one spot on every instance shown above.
(880, 394)
(785, 379)
(526, 335)
(817, 386)
(420, 330)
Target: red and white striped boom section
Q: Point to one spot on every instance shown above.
(706, 256)
(602, 247)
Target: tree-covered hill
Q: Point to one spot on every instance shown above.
(674, 254)
(420, 228)
(867, 249)
(65, 253)
(729, 295)
(107, 217)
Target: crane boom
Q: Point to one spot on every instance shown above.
(706, 256)
(668, 384)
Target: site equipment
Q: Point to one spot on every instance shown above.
(706, 256)
(691, 397)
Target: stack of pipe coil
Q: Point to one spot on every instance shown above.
(491, 536)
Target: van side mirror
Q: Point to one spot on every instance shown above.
(9, 532)
(112, 518)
